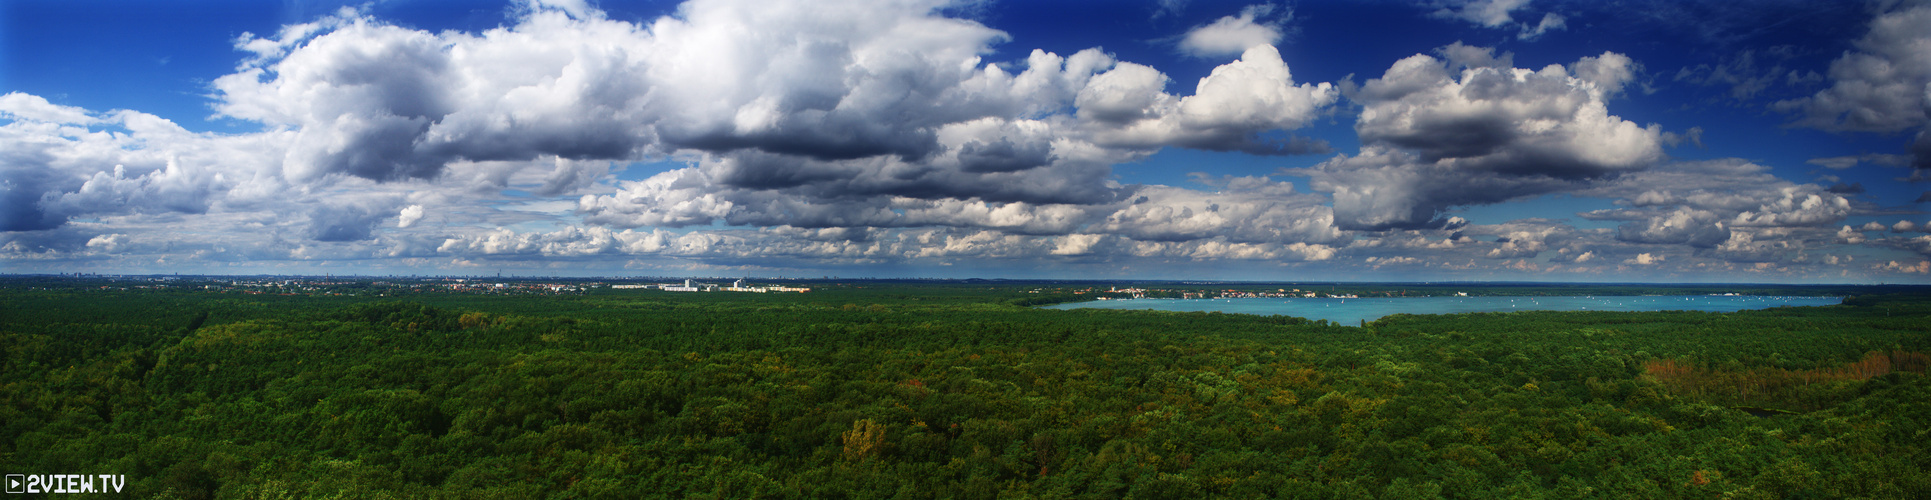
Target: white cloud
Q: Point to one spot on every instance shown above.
(580, 9)
(1550, 22)
(22, 106)
(1922, 267)
(409, 215)
(1706, 205)
(109, 243)
(125, 162)
(1645, 259)
(836, 115)
(1500, 14)
(1489, 13)
(1248, 209)
(1434, 140)
(1232, 35)
(1881, 86)
(1077, 244)
(869, 132)
(1796, 206)
(1127, 107)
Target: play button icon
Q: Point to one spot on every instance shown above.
(16, 483)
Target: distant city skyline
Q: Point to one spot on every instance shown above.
(1454, 140)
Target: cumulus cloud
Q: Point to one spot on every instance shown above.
(785, 242)
(872, 132)
(348, 220)
(409, 216)
(823, 81)
(1922, 267)
(1645, 259)
(109, 243)
(846, 115)
(1883, 86)
(1245, 210)
(1128, 107)
(1232, 35)
(1730, 209)
(1880, 87)
(1521, 239)
(58, 163)
(29, 107)
(1434, 139)
(1683, 226)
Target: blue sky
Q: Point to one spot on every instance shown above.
(1532, 140)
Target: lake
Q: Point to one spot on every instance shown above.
(1354, 311)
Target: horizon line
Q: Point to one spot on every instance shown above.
(993, 279)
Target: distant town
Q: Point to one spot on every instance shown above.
(330, 285)
(694, 286)
(1041, 291)
(363, 285)
(1141, 293)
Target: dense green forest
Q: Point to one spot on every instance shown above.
(948, 391)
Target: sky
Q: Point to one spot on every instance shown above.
(1774, 141)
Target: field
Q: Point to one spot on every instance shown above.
(949, 390)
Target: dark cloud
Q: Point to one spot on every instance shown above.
(1381, 190)
(21, 190)
(43, 244)
(1003, 155)
(350, 218)
(25, 165)
(342, 223)
(1921, 152)
(1255, 145)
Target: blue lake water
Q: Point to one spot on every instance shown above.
(1354, 311)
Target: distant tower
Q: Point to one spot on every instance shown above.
(687, 282)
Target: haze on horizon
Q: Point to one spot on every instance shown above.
(1450, 140)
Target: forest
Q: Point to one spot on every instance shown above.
(961, 390)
